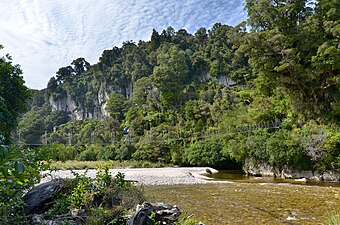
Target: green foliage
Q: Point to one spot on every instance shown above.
(179, 93)
(116, 106)
(19, 171)
(125, 152)
(14, 96)
(291, 49)
(171, 73)
(58, 152)
(105, 198)
(60, 206)
(87, 155)
(205, 153)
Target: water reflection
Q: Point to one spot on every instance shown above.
(240, 176)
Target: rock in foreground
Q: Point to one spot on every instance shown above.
(164, 213)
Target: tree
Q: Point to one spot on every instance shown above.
(155, 40)
(80, 65)
(116, 106)
(171, 73)
(201, 36)
(292, 50)
(65, 74)
(13, 96)
(52, 84)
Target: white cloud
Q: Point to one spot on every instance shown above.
(44, 35)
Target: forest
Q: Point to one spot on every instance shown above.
(265, 90)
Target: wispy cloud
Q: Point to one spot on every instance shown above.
(43, 36)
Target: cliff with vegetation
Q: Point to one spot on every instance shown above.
(218, 97)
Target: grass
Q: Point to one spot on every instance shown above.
(73, 164)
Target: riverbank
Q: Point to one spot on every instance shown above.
(147, 176)
(223, 202)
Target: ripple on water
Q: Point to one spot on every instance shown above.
(251, 203)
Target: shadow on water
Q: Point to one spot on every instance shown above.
(240, 176)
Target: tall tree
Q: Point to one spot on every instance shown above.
(80, 65)
(155, 40)
(171, 73)
(13, 96)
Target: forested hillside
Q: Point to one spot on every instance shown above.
(219, 96)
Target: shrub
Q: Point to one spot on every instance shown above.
(58, 152)
(205, 153)
(107, 153)
(18, 172)
(87, 155)
(124, 152)
(105, 199)
(256, 145)
(285, 148)
(332, 151)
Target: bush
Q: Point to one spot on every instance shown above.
(18, 172)
(152, 152)
(107, 153)
(58, 152)
(205, 153)
(105, 199)
(332, 151)
(285, 148)
(125, 152)
(256, 145)
(87, 155)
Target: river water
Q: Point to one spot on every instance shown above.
(240, 176)
(252, 200)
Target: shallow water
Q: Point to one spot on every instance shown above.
(251, 203)
(240, 176)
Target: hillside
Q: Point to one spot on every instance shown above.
(217, 97)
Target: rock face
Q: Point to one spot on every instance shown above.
(78, 112)
(223, 80)
(92, 103)
(259, 168)
(163, 213)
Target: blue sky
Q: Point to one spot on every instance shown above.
(44, 35)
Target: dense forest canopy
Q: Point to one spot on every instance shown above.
(267, 93)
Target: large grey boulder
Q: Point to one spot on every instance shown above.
(165, 213)
(37, 200)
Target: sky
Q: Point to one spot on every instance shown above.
(44, 35)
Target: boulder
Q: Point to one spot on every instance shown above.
(61, 219)
(37, 200)
(164, 213)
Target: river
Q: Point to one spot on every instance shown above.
(256, 201)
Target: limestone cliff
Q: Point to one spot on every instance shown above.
(92, 106)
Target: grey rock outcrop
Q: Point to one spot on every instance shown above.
(95, 109)
(259, 168)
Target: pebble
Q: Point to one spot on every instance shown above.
(146, 176)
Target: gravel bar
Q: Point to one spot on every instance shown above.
(147, 176)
